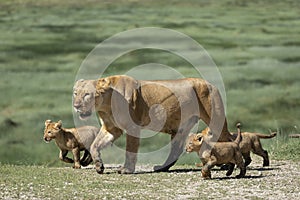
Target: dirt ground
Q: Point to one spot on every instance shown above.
(281, 180)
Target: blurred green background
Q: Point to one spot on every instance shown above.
(255, 44)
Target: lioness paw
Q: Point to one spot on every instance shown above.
(124, 170)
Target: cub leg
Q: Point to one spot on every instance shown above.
(206, 173)
(247, 158)
(257, 149)
(240, 163)
(86, 158)
(266, 159)
(76, 155)
(63, 156)
(230, 169)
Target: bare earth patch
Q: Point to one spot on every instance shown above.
(279, 181)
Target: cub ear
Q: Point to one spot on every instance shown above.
(58, 124)
(48, 121)
(198, 136)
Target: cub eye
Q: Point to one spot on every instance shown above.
(75, 93)
(49, 132)
(86, 94)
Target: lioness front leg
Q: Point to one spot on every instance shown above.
(76, 155)
(63, 156)
(103, 139)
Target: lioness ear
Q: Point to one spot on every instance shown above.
(101, 85)
(124, 85)
(48, 121)
(58, 124)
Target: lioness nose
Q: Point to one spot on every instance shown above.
(76, 106)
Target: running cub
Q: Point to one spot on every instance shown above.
(250, 143)
(72, 139)
(218, 153)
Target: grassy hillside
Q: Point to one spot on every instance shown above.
(255, 45)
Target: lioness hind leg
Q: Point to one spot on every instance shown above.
(176, 151)
(132, 146)
(177, 144)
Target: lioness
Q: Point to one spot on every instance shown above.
(169, 106)
(218, 153)
(250, 143)
(73, 139)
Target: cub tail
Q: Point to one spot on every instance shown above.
(264, 136)
(239, 135)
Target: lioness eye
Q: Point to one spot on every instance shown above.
(75, 93)
(49, 132)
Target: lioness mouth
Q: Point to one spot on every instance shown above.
(85, 115)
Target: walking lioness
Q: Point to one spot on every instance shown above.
(169, 106)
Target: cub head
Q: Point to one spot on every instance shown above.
(193, 142)
(84, 97)
(51, 130)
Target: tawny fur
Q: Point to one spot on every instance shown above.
(218, 153)
(72, 139)
(168, 106)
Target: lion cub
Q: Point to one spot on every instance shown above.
(251, 143)
(217, 154)
(72, 139)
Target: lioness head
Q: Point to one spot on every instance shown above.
(90, 95)
(51, 130)
(193, 142)
(84, 97)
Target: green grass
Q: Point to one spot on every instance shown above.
(42, 44)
